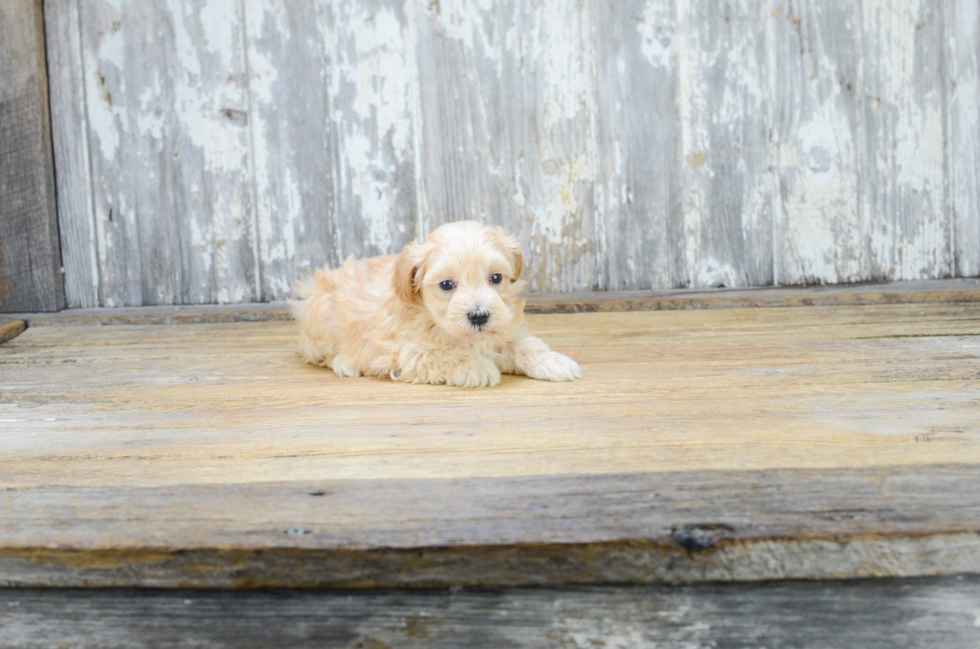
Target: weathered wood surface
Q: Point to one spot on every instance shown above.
(69, 133)
(870, 614)
(507, 93)
(10, 329)
(728, 179)
(962, 75)
(640, 229)
(636, 145)
(725, 444)
(294, 157)
(908, 223)
(30, 259)
(632, 528)
(166, 100)
(818, 135)
(950, 291)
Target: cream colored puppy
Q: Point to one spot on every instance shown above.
(444, 311)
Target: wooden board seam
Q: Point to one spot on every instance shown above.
(670, 560)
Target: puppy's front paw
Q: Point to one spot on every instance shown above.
(552, 366)
(480, 374)
(342, 369)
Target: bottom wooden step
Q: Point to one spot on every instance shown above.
(926, 612)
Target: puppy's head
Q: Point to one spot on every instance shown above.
(466, 275)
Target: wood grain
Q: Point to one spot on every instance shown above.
(374, 98)
(507, 98)
(727, 159)
(954, 291)
(917, 613)
(69, 132)
(640, 232)
(289, 67)
(332, 92)
(962, 90)
(632, 145)
(30, 257)
(711, 445)
(166, 100)
(908, 225)
(819, 135)
(663, 527)
(10, 329)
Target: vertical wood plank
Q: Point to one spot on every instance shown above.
(167, 108)
(819, 130)
(30, 258)
(729, 181)
(507, 91)
(909, 229)
(69, 133)
(333, 92)
(289, 75)
(373, 98)
(962, 91)
(638, 189)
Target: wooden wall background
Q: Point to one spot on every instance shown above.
(213, 150)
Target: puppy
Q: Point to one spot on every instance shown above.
(444, 311)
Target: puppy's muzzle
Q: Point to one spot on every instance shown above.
(478, 318)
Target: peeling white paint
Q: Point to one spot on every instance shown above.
(963, 133)
(655, 26)
(174, 129)
(373, 116)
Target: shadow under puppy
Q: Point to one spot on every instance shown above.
(444, 311)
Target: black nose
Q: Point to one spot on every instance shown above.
(478, 318)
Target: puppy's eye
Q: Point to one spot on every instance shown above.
(447, 285)
(496, 278)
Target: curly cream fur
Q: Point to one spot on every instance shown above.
(388, 316)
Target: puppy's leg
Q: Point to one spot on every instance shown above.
(341, 368)
(420, 365)
(506, 361)
(535, 359)
(476, 372)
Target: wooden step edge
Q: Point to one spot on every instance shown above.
(916, 292)
(674, 560)
(938, 612)
(10, 329)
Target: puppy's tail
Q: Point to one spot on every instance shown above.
(322, 281)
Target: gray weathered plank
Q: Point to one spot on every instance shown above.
(636, 145)
(332, 92)
(69, 131)
(167, 107)
(962, 91)
(818, 137)
(871, 614)
(30, 256)
(374, 119)
(289, 75)
(639, 224)
(914, 292)
(729, 181)
(10, 329)
(507, 92)
(908, 226)
(684, 526)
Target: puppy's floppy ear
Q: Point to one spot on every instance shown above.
(513, 249)
(408, 272)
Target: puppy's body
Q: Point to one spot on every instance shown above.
(397, 316)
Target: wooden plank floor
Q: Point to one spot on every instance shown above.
(740, 444)
(927, 613)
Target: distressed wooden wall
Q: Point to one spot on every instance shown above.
(213, 150)
(30, 260)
